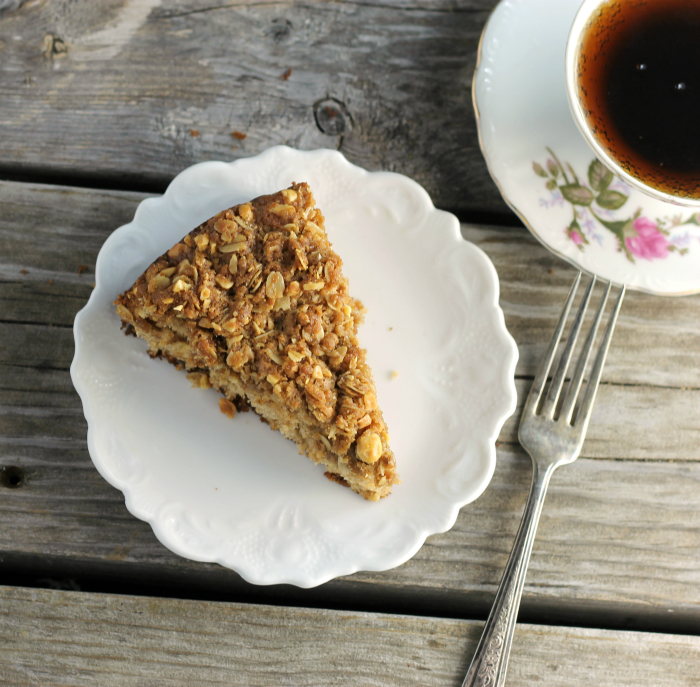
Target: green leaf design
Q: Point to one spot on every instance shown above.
(599, 177)
(584, 200)
(611, 200)
(621, 228)
(577, 194)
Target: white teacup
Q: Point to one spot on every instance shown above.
(590, 17)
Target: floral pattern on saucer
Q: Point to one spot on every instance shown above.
(594, 205)
(569, 202)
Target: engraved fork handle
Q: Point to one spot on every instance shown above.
(488, 667)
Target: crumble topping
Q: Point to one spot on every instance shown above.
(255, 303)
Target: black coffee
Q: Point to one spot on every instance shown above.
(639, 83)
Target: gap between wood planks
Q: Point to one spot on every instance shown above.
(59, 325)
(631, 385)
(157, 186)
(244, 4)
(103, 182)
(53, 572)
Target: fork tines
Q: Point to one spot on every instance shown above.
(550, 405)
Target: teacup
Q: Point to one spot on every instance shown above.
(633, 84)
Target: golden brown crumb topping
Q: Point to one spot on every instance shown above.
(259, 289)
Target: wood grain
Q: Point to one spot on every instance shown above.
(55, 637)
(619, 536)
(50, 231)
(125, 95)
(657, 339)
(128, 97)
(653, 368)
(614, 535)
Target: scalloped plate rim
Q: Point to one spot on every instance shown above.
(506, 381)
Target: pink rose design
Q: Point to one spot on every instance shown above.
(576, 237)
(649, 243)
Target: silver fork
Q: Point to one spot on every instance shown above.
(553, 434)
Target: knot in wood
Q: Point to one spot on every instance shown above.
(332, 117)
(279, 30)
(53, 46)
(12, 477)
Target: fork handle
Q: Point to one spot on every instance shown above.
(488, 667)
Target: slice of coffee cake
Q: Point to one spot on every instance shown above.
(254, 302)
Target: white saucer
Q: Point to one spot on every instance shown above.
(234, 491)
(542, 164)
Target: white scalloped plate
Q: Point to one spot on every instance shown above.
(519, 93)
(236, 492)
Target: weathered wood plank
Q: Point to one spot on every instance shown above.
(46, 232)
(637, 422)
(133, 94)
(54, 637)
(656, 341)
(50, 231)
(632, 422)
(614, 534)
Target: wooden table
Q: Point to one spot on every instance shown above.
(101, 104)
